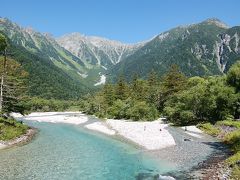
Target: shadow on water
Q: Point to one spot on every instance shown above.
(218, 146)
(147, 176)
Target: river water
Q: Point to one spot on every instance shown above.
(61, 151)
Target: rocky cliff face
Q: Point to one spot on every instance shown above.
(225, 48)
(97, 51)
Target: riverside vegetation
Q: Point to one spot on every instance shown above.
(12, 91)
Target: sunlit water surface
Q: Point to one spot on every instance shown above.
(61, 151)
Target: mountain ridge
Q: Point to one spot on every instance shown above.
(98, 51)
(205, 48)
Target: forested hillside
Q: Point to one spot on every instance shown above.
(206, 48)
(53, 71)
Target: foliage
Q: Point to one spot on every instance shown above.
(46, 79)
(142, 111)
(233, 76)
(204, 100)
(183, 100)
(136, 100)
(10, 129)
(3, 42)
(209, 129)
(233, 138)
(36, 104)
(173, 82)
(230, 123)
(192, 48)
(14, 87)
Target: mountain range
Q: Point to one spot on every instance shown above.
(75, 64)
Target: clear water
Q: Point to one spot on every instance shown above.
(62, 151)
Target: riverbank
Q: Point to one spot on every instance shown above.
(23, 139)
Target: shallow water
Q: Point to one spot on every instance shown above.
(62, 151)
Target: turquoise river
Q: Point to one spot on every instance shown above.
(61, 151)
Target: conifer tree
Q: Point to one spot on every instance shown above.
(173, 82)
(152, 83)
(12, 85)
(121, 89)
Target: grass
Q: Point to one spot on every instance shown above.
(233, 139)
(232, 161)
(235, 172)
(11, 129)
(209, 129)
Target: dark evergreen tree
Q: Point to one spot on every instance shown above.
(121, 89)
(173, 82)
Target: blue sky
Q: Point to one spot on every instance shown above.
(128, 21)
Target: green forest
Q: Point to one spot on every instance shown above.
(183, 100)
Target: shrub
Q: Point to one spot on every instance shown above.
(142, 111)
(233, 138)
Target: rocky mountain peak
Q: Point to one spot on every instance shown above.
(217, 22)
(96, 50)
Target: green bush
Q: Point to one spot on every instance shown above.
(117, 110)
(233, 138)
(142, 111)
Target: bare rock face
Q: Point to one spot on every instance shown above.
(223, 49)
(217, 22)
(199, 50)
(96, 50)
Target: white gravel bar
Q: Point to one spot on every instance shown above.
(193, 129)
(150, 135)
(100, 127)
(57, 117)
(2, 146)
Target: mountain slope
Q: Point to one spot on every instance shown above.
(96, 51)
(74, 64)
(207, 48)
(53, 71)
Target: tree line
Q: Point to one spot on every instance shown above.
(181, 99)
